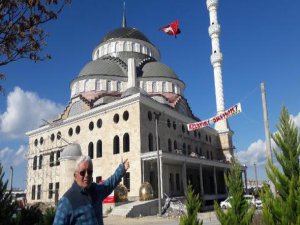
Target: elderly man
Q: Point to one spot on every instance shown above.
(82, 203)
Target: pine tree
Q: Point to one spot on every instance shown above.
(193, 204)
(239, 213)
(7, 207)
(284, 208)
(48, 217)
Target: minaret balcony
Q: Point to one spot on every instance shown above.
(216, 58)
(214, 29)
(211, 3)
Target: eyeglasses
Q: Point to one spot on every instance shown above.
(83, 172)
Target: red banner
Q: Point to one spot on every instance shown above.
(228, 113)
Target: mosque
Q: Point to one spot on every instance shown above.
(124, 104)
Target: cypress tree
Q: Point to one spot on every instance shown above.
(193, 204)
(239, 213)
(7, 207)
(284, 208)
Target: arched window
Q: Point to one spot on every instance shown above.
(150, 142)
(101, 51)
(111, 47)
(169, 145)
(34, 163)
(144, 50)
(108, 85)
(126, 143)
(99, 148)
(128, 46)
(184, 148)
(154, 86)
(76, 88)
(137, 47)
(164, 86)
(91, 150)
(119, 46)
(105, 49)
(87, 85)
(145, 85)
(175, 145)
(40, 162)
(116, 145)
(97, 85)
(118, 86)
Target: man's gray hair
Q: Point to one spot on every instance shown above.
(82, 159)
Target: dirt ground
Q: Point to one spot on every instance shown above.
(209, 218)
(148, 220)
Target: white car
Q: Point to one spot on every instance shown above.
(257, 203)
(226, 203)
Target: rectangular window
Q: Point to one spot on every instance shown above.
(51, 159)
(98, 179)
(33, 192)
(56, 186)
(57, 158)
(126, 181)
(40, 161)
(177, 182)
(39, 187)
(171, 183)
(50, 192)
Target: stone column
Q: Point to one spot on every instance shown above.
(184, 178)
(143, 171)
(131, 73)
(161, 179)
(201, 180)
(215, 181)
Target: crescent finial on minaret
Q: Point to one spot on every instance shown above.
(124, 23)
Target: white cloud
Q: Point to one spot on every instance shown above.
(25, 111)
(256, 152)
(12, 157)
(297, 120)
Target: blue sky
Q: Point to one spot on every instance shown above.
(259, 41)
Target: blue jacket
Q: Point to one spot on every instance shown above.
(80, 206)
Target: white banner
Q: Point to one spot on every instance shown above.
(204, 123)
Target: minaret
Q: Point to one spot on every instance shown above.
(124, 23)
(216, 59)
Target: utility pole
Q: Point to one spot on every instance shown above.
(157, 115)
(267, 131)
(11, 178)
(256, 180)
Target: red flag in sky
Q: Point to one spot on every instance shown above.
(172, 29)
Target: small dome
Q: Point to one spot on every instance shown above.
(102, 67)
(132, 91)
(160, 99)
(125, 32)
(72, 152)
(157, 69)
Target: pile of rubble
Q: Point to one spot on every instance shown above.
(173, 208)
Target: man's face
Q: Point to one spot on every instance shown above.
(83, 176)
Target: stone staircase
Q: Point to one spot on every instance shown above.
(136, 209)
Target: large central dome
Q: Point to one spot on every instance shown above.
(125, 32)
